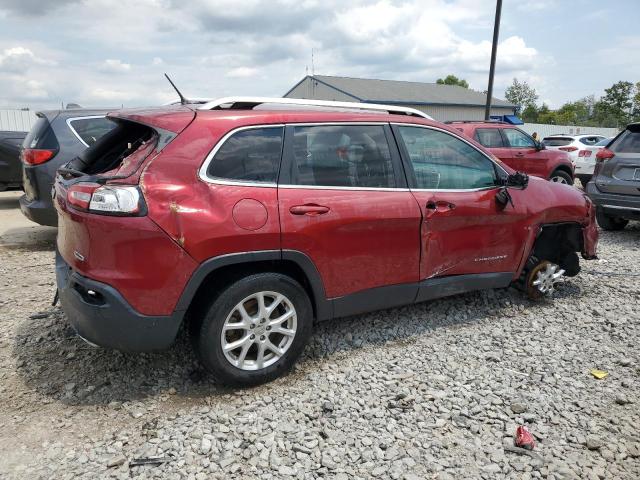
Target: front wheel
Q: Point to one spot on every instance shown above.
(255, 329)
(608, 222)
(560, 176)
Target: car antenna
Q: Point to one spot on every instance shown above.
(183, 101)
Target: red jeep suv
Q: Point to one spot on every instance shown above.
(249, 219)
(519, 150)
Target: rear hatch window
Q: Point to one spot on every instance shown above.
(628, 141)
(89, 129)
(117, 153)
(557, 141)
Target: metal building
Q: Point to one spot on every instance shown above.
(442, 102)
(17, 120)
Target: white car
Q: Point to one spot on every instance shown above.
(587, 161)
(580, 150)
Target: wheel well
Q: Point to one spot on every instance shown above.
(558, 244)
(562, 168)
(221, 277)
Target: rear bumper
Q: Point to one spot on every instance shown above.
(41, 212)
(100, 314)
(625, 206)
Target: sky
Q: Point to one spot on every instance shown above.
(105, 53)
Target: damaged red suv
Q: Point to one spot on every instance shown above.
(248, 220)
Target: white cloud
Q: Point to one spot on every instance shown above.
(251, 47)
(242, 72)
(20, 59)
(114, 65)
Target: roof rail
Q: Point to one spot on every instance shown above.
(238, 103)
(475, 121)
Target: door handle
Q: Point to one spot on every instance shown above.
(311, 210)
(520, 154)
(439, 206)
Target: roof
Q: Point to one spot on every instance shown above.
(402, 92)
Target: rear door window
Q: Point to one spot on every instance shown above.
(249, 156)
(489, 137)
(442, 161)
(90, 129)
(342, 156)
(517, 139)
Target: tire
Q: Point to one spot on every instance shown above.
(560, 176)
(225, 309)
(610, 223)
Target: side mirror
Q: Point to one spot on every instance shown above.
(517, 180)
(540, 146)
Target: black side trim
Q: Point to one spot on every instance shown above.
(375, 299)
(208, 266)
(446, 286)
(408, 293)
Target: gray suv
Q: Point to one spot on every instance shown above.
(615, 186)
(57, 137)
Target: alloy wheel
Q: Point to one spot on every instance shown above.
(559, 179)
(259, 330)
(543, 279)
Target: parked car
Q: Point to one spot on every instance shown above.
(10, 168)
(519, 150)
(55, 138)
(577, 146)
(586, 161)
(250, 223)
(615, 186)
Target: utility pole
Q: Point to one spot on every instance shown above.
(492, 68)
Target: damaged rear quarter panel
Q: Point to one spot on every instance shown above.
(196, 214)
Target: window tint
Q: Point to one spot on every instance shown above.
(628, 142)
(442, 161)
(516, 138)
(91, 129)
(342, 156)
(603, 143)
(249, 155)
(557, 141)
(489, 137)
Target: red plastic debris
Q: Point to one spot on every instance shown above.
(524, 439)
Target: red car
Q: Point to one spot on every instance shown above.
(519, 150)
(251, 223)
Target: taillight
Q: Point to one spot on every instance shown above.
(584, 153)
(106, 199)
(568, 149)
(604, 154)
(79, 195)
(36, 156)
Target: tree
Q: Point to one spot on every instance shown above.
(521, 94)
(530, 114)
(453, 80)
(615, 108)
(635, 110)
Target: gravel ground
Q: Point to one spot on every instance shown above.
(428, 391)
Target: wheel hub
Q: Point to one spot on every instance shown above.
(543, 279)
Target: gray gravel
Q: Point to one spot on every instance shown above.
(428, 391)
